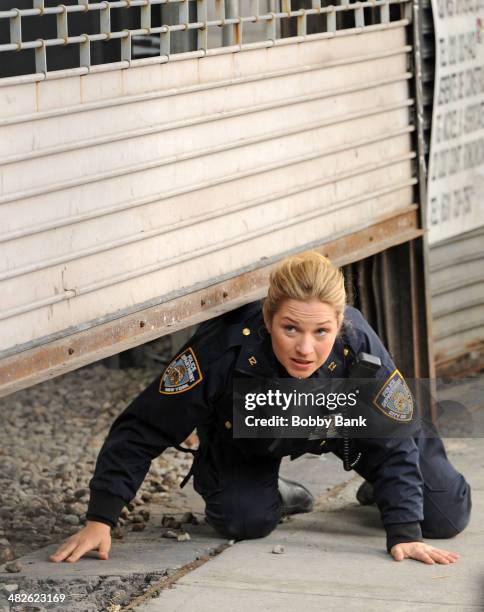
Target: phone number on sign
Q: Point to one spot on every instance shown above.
(37, 597)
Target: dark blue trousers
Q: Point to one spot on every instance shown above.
(243, 502)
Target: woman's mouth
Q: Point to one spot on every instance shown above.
(300, 364)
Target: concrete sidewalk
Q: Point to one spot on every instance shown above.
(336, 559)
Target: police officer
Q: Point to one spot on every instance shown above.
(302, 330)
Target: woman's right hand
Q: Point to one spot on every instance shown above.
(94, 536)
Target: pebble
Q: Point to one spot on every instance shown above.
(183, 537)
(169, 534)
(170, 521)
(81, 493)
(145, 514)
(137, 519)
(117, 533)
(278, 550)
(14, 567)
(189, 517)
(77, 509)
(138, 527)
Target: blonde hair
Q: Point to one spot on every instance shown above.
(302, 277)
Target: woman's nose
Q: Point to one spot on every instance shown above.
(304, 347)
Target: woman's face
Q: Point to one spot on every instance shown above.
(303, 334)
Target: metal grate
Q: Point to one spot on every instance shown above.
(79, 34)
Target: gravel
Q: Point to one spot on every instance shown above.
(49, 442)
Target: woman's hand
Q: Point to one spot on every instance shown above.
(422, 552)
(94, 536)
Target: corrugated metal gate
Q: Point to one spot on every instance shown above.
(142, 196)
(457, 286)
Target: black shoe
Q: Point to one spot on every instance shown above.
(365, 494)
(295, 497)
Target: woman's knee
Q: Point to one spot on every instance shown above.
(242, 521)
(447, 513)
(233, 528)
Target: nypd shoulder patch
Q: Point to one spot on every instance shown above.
(182, 374)
(394, 399)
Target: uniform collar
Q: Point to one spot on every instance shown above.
(256, 357)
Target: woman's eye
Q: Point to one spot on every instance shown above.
(289, 328)
(322, 332)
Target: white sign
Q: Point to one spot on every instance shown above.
(456, 165)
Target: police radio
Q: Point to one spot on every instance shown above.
(363, 367)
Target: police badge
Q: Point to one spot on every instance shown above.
(395, 399)
(182, 374)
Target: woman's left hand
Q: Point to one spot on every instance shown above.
(422, 552)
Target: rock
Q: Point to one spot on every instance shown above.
(168, 482)
(80, 493)
(77, 509)
(169, 534)
(61, 460)
(189, 517)
(158, 487)
(166, 520)
(45, 484)
(145, 514)
(170, 521)
(117, 533)
(146, 497)
(138, 527)
(278, 549)
(10, 588)
(14, 567)
(137, 519)
(183, 537)
(71, 519)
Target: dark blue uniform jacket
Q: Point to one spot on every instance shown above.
(196, 392)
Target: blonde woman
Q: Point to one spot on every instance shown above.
(302, 330)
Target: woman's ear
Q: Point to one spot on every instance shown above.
(267, 323)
